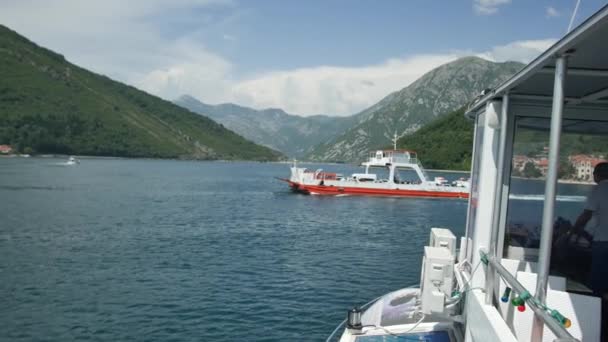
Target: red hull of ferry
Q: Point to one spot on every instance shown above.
(336, 191)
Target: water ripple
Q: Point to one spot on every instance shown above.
(177, 251)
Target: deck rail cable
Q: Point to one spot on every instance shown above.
(578, 2)
(551, 320)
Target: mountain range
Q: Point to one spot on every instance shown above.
(49, 105)
(348, 139)
(293, 135)
(438, 92)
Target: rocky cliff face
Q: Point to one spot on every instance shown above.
(438, 92)
(293, 135)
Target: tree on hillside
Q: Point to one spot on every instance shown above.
(445, 143)
(530, 171)
(566, 170)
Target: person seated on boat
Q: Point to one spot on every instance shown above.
(596, 212)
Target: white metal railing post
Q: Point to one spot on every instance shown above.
(491, 273)
(544, 257)
(533, 302)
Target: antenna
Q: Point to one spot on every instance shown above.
(578, 2)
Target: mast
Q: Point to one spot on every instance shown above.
(578, 2)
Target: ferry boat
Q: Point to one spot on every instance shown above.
(318, 182)
(492, 288)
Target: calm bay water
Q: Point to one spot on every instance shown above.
(205, 251)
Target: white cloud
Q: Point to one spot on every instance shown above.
(229, 37)
(337, 90)
(488, 7)
(520, 51)
(552, 12)
(331, 89)
(115, 38)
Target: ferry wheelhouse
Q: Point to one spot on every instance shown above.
(507, 283)
(318, 182)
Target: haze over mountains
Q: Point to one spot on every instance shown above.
(348, 139)
(293, 135)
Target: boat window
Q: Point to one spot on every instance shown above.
(474, 194)
(583, 145)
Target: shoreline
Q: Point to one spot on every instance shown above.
(560, 181)
(451, 171)
(572, 181)
(282, 162)
(60, 156)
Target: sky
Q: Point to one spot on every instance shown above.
(332, 57)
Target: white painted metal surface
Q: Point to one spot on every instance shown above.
(530, 95)
(485, 203)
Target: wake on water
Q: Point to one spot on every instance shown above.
(561, 198)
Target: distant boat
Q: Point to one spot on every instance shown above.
(367, 184)
(462, 183)
(72, 161)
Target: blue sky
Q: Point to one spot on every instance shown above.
(352, 33)
(333, 57)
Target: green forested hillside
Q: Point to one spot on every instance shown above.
(48, 105)
(445, 143)
(438, 92)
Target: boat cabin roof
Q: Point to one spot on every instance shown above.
(586, 77)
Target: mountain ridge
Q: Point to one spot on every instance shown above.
(49, 105)
(291, 134)
(438, 92)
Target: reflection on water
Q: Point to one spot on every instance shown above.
(559, 198)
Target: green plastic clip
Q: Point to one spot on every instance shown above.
(560, 318)
(484, 258)
(525, 295)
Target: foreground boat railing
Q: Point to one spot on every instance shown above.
(364, 306)
(539, 309)
(333, 333)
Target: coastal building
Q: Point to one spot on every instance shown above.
(6, 149)
(519, 162)
(539, 163)
(542, 164)
(584, 165)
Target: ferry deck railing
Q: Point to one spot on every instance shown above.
(393, 159)
(562, 334)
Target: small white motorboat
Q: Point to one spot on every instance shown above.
(72, 161)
